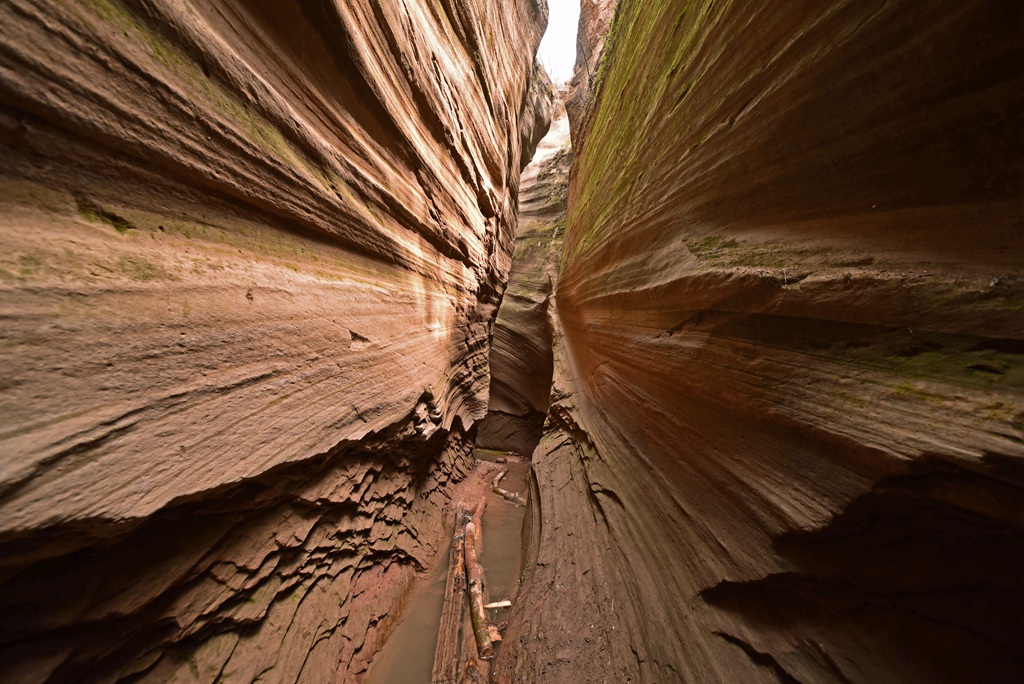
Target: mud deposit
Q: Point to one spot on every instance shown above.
(408, 655)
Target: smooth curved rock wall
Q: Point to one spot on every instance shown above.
(250, 254)
(786, 435)
(521, 357)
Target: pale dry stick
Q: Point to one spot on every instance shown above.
(497, 479)
(446, 656)
(499, 604)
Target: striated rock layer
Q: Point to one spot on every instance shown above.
(520, 357)
(595, 20)
(787, 429)
(250, 253)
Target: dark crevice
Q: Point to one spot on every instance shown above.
(761, 659)
(907, 568)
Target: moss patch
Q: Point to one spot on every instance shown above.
(16, 191)
(94, 213)
(138, 268)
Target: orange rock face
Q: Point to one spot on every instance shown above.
(250, 254)
(786, 435)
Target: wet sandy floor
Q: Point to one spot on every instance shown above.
(408, 655)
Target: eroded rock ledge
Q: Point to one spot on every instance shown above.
(787, 429)
(251, 253)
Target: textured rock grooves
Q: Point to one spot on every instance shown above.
(785, 438)
(250, 254)
(521, 356)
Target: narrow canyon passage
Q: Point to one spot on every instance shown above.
(739, 305)
(521, 363)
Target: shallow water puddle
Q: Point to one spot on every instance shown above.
(503, 538)
(408, 655)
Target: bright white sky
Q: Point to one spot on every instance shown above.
(557, 51)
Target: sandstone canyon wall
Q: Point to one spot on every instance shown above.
(787, 428)
(250, 253)
(521, 355)
(595, 20)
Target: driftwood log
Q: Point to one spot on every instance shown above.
(510, 496)
(446, 656)
(476, 594)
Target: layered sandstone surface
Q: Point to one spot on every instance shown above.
(520, 356)
(595, 19)
(250, 253)
(787, 428)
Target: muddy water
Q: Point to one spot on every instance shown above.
(408, 655)
(503, 538)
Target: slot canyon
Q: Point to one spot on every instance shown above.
(288, 286)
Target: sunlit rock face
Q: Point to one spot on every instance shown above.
(250, 253)
(786, 438)
(520, 358)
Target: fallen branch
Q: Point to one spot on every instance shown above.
(446, 656)
(513, 497)
(502, 474)
(476, 593)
